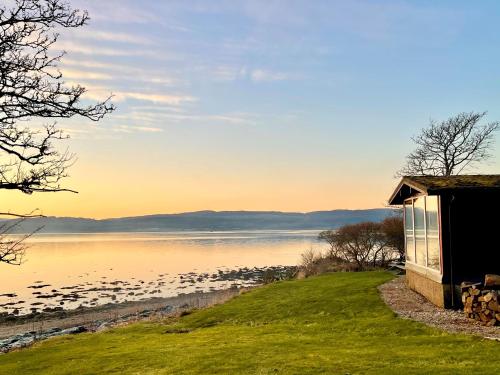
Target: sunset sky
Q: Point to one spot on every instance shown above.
(264, 105)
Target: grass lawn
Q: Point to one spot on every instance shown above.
(331, 324)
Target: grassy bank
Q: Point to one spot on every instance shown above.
(328, 324)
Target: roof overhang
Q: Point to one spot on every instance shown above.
(406, 189)
(411, 186)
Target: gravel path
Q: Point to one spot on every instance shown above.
(411, 305)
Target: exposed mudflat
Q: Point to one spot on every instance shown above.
(46, 299)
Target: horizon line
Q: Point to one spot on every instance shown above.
(205, 211)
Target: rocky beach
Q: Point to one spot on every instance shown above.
(19, 330)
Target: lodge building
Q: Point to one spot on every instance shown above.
(452, 232)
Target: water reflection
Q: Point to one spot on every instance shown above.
(71, 270)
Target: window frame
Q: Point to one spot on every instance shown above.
(413, 263)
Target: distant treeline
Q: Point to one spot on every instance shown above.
(206, 221)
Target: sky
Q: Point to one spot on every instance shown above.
(264, 105)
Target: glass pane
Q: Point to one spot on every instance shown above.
(410, 247)
(420, 252)
(419, 217)
(433, 251)
(432, 214)
(408, 217)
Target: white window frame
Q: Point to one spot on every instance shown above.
(433, 273)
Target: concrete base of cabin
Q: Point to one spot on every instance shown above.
(435, 292)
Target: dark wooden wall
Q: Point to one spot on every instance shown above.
(470, 222)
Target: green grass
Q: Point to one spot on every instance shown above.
(333, 324)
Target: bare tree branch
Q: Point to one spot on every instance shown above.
(451, 146)
(32, 87)
(20, 215)
(13, 248)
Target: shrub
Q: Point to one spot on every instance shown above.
(309, 260)
(315, 263)
(393, 230)
(358, 247)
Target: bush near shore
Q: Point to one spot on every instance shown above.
(357, 247)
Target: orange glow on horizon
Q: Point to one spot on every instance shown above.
(104, 200)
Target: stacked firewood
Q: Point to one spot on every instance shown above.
(482, 302)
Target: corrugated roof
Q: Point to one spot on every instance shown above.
(430, 184)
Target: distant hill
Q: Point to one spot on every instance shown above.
(206, 221)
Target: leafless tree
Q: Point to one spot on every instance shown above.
(448, 147)
(362, 244)
(12, 249)
(32, 87)
(393, 230)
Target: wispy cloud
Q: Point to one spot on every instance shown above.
(117, 71)
(231, 118)
(154, 97)
(106, 132)
(94, 50)
(164, 115)
(135, 129)
(96, 92)
(121, 11)
(228, 73)
(261, 75)
(110, 36)
(156, 109)
(89, 63)
(233, 73)
(115, 51)
(86, 75)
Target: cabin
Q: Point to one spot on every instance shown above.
(452, 232)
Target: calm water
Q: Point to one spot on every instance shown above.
(71, 270)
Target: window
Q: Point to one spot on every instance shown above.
(432, 227)
(419, 217)
(410, 244)
(422, 231)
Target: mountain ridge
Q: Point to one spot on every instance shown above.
(205, 220)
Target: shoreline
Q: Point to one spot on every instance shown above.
(24, 331)
(45, 299)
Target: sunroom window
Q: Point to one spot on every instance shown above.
(410, 244)
(432, 227)
(422, 231)
(419, 219)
